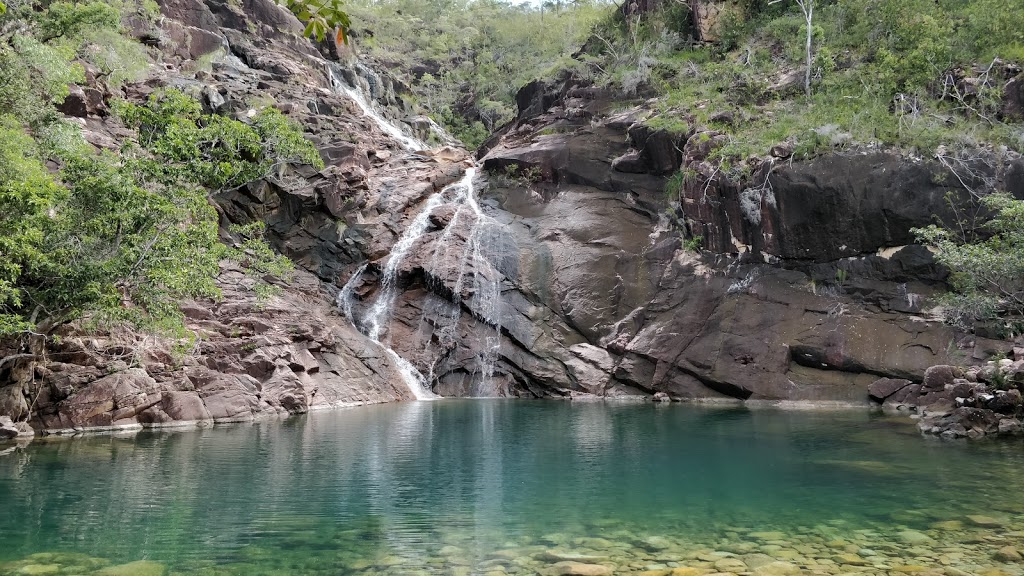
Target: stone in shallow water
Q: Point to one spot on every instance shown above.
(913, 537)
(40, 569)
(767, 535)
(655, 543)
(948, 525)
(755, 561)
(909, 568)
(850, 559)
(777, 569)
(139, 568)
(566, 556)
(730, 565)
(1008, 554)
(688, 571)
(579, 569)
(388, 561)
(985, 521)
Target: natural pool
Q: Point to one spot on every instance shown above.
(517, 487)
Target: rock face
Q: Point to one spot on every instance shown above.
(292, 352)
(563, 273)
(286, 355)
(808, 291)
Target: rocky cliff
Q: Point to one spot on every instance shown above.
(288, 353)
(564, 270)
(808, 288)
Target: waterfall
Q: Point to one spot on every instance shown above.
(407, 142)
(475, 283)
(484, 292)
(380, 314)
(481, 294)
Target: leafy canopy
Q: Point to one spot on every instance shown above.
(124, 237)
(987, 272)
(321, 18)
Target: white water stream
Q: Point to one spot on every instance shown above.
(366, 107)
(482, 296)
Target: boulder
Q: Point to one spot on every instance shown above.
(883, 388)
(579, 569)
(937, 377)
(8, 430)
(1006, 402)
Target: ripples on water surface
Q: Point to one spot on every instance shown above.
(515, 487)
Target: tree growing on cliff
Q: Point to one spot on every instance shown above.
(122, 238)
(987, 271)
(321, 18)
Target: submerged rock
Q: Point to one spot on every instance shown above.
(138, 568)
(579, 569)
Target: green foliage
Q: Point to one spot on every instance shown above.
(128, 235)
(880, 72)
(987, 272)
(42, 46)
(211, 150)
(74, 19)
(27, 194)
(321, 17)
(469, 58)
(674, 186)
(693, 244)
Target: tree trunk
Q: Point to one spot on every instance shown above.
(808, 8)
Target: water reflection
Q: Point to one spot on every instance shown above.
(391, 485)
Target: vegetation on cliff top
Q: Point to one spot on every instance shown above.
(914, 74)
(466, 59)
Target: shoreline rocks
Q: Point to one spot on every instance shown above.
(955, 402)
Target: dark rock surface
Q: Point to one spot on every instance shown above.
(594, 265)
(292, 353)
(808, 287)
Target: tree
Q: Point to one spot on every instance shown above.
(122, 238)
(987, 270)
(321, 17)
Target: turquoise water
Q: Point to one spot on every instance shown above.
(514, 487)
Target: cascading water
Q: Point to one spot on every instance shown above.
(481, 295)
(465, 262)
(408, 142)
(484, 292)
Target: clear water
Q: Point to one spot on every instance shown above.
(511, 486)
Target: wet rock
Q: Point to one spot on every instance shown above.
(1008, 554)
(1010, 427)
(579, 569)
(1006, 402)
(37, 569)
(138, 568)
(849, 559)
(914, 537)
(963, 422)
(983, 521)
(883, 388)
(8, 430)
(730, 565)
